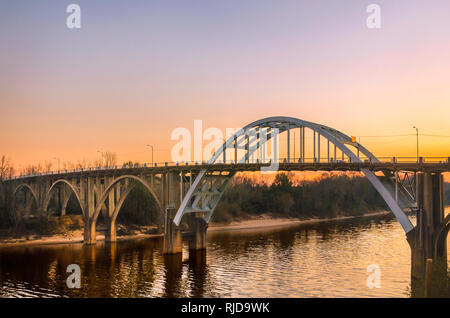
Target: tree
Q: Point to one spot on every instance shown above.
(110, 159)
(48, 166)
(83, 164)
(282, 182)
(6, 168)
(32, 169)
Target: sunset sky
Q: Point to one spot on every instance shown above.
(136, 70)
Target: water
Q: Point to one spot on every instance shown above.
(323, 260)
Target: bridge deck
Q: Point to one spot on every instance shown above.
(241, 167)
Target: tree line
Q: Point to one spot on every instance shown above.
(331, 195)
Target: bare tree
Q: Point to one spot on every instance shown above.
(83, 164)
(4, 163)
(97, 163)
(48, 166)
(110, 159)
(32, 169)
(6, 168)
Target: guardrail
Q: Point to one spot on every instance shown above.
(412, 160)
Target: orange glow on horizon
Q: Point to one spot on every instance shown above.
(68, 95)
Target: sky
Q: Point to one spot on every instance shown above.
(136, 70)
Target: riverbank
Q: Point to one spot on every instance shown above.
(262, 222)
(266, 221)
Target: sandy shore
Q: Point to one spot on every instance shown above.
(267, 222)
(73, 237)
(257, 223)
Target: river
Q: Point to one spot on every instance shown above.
(315, 260)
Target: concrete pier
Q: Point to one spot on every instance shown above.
(172, 235)
(110, 234)
(197, 229)
(90, 234)
(428, 238)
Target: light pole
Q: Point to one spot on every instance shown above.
(101, 153)
(417, 139)
(58, 161)
(152, 152)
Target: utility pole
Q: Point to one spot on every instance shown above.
(417, 139)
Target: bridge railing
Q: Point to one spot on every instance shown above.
(305, 160)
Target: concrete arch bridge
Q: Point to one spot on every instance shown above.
(190, 191)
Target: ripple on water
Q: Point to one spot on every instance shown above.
(323, 260)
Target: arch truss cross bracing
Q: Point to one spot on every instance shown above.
(253, 142)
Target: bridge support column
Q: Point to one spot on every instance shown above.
(90, 233)
(197, 227)
(110, 234)
(430, 219)
(172, 234)
(110, 220)
(65, 199)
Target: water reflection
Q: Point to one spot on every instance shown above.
(327, 259)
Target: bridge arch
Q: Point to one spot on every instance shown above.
(287, 123)
(27, 186)
(123, 196)
(241, 140)
(120, 202)
(71, 186)
(441, 236)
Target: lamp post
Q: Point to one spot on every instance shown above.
(417, 140)
(152, 152)
(294, 145)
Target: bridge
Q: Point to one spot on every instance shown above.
(190, 191)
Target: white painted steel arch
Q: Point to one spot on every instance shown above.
(198, 191)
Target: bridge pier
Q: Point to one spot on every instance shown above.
(173, 243)
(425, 239)
(197, 227)
(90, 234)
(65, 199)
(110, 220)
(110, 234)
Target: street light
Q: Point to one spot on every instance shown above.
(152, 152)
(294, 145)
(417, 138)
(101, 153)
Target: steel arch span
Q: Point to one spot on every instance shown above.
(207, 188)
